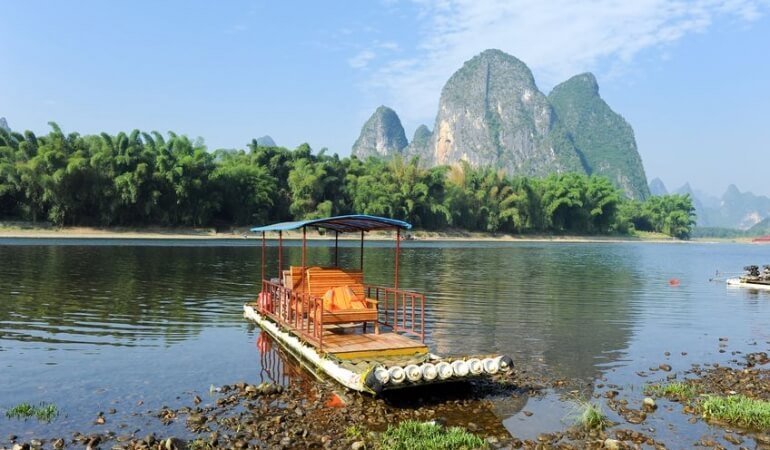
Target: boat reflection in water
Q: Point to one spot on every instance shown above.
(277, 367)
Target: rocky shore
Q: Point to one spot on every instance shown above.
(319, 415)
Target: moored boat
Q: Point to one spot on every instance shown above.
(367, 338)
(753, 278)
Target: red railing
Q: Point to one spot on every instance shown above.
(299, 312)
(303, 314)
(401, 310)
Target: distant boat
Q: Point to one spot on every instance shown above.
(753, 278)
(315, 313)
(762, 240)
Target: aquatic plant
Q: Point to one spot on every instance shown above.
(737, 410)
(679, 390)
(414, 435)
(44, 412)
(590, 416)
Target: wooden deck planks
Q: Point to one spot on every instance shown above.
(347, 345)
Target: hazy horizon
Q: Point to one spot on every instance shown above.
(690, 77)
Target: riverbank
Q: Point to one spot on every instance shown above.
(30, 231)
(320, 415)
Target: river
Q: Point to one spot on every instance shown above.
(128, 326)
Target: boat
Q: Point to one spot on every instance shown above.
(367, 338)
(753, 278)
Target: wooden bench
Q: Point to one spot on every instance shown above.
(343, 295)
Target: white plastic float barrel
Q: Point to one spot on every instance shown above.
(444, 370)
(397, 374)
(413, 373)
(491, 365)
(382, 375)
(429, 372)
(506, 363)
(475, 366)
(460, 368)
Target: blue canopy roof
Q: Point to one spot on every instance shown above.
(342, 224)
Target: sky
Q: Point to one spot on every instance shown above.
(691, 77)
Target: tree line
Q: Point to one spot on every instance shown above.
(137, 178)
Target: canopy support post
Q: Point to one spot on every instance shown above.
(280, 252)
(336, 248)
(398, 253)
(263, 256)
(362, 250)
(304, 246)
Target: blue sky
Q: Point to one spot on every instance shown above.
(692, 77)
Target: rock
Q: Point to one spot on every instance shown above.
(358, 445)
(58, 443)
(648, 404)
(665, 367)
(612, 444)
(733, 439)
(762, 438)
(35, 443)
(635, 417)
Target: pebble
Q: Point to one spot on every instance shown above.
(665, 367)
(733, 439)
(358, 445)
(612, 444)
(649, 404)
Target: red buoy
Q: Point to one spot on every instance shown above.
(673, 282)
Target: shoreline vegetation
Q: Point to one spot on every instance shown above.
(138, 179)
(21, 230)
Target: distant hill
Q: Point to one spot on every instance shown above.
(734, 209)
(4, 124)
(657, 187)
(266, 141)
(604, 138)
(382, 135)
(491, 113)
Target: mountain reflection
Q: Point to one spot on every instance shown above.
(565, 307)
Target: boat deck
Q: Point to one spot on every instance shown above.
(350, 343)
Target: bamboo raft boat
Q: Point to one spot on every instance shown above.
(321, 314)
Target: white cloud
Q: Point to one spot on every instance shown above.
(557, 39)
(361, 59)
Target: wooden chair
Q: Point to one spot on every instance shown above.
(343, 295)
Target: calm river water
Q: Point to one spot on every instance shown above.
(134, 325)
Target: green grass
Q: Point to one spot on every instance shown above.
(414, 435)
(737, 410)
(591, 417)
(45, 412)
(679, 390)
(354, 432)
